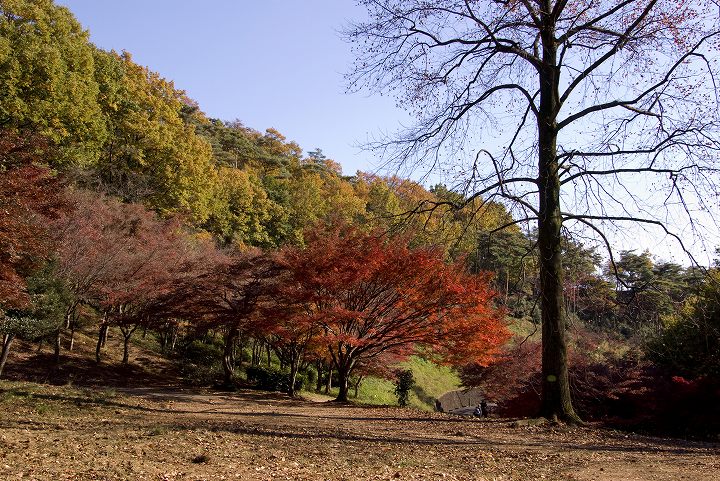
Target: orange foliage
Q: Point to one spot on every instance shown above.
(367, 295)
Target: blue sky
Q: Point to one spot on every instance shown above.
(269, 63)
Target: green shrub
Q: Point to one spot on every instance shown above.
(274, 379)
(201, 362)
(403, 385)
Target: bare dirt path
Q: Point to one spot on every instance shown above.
(172, 433)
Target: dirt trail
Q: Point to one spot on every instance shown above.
(168, 434)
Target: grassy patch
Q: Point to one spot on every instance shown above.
(374, 390)
(431, 381)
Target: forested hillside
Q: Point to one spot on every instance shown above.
(125, 207)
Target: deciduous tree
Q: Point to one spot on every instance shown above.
(369, 295)
(30, 197)
(576, 113)
(47, 85)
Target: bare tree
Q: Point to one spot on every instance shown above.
(578, 114)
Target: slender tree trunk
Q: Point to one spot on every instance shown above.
(356, 385)
(164, 339)
(7, 341)
(319, 369)
(69, 324)
(328, 381)
(556, 400)
(228, 358)
(58, 347)
(127, 334)
(507, 286)
(102, 335)
(173, 338)
(294, 365)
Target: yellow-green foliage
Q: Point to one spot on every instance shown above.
(137, 137)
(46, 79)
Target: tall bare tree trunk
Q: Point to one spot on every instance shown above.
(555, 383)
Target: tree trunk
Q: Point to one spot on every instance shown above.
(294, 364)
(343, 383)
(102, 335)
(163, 339)
(127, 334)
(58, 334)
(356, 385)
(174, 338)
(7, 341)
(319, 369)
(328, 381)
(72, 337)
(228, 358)
(556, 400)
(126, 349)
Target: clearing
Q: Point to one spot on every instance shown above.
(171, 433)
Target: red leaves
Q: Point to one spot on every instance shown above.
(123, 259)
(369, 295)
(29, 196)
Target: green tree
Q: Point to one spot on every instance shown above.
(649, 293)
(242, 209)
(47, 83)
(44, 314)
(152, 155)
(690, 344)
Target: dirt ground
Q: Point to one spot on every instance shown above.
(61, 433)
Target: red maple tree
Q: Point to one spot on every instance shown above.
(366, 295)
(228, 296)
(126, 262)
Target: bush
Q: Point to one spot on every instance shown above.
(274, 379)
(623, 392)
(403, 385)
(201, 362)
